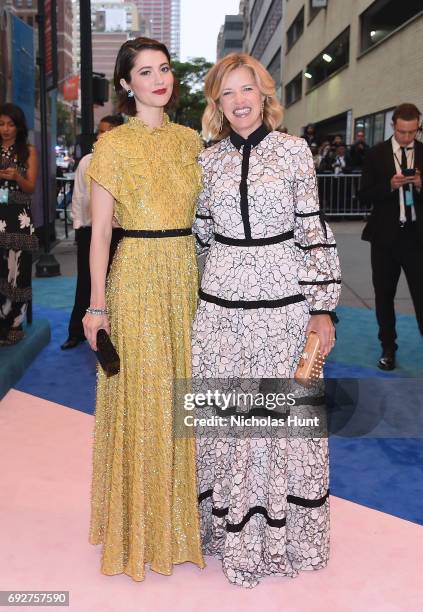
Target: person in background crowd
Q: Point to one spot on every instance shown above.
(310, 134)
(328, 156)
(392, 184)
(81, 214)
(337, 140)
(18, 177)
(316, 155)
(358, 150)
(341, 162)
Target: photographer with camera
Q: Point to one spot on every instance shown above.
(392, 185)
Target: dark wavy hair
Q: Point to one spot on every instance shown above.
(406, 112)
(16, 114)
(125, 61)
(115, 120)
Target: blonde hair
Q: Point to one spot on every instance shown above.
(272, 111)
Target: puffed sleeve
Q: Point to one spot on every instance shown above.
(203, 224)
(106, 166)
(319, 270)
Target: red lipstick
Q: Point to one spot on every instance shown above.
(160, 92)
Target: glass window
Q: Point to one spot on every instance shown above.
(234, 26)
(384, 17)
(258, 4)
(295, 30)
(332, 58)
(233, 44)
(314, 7)
(274, 68)
(379, 127)
(294, 90)
(270, 23)
(376, 127)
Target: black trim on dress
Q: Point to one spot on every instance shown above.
(254, 241)
(197, 216)
(164, 233)
(272, 522)
(200, 242)
(252, 141)
(331, 313)
(251, 304)
(315, 246)
(322, 282)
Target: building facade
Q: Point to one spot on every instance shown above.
(347, 65)
(263, 35)
(163, 19)
(64, 42)
(230, 39)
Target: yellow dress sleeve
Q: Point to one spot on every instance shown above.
(106, 167)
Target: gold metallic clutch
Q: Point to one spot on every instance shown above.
(311, 361)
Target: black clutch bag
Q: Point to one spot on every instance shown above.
(107, 354)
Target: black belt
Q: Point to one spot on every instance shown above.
(167, 233)
(254, 241)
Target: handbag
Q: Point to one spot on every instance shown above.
(311, 361)
(107, 354)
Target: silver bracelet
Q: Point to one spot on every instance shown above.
(97, 311)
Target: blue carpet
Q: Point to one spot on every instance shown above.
(384, 473)
(64, 377)
(357, 343)
(14, 360)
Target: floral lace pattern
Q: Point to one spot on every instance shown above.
(264, 502)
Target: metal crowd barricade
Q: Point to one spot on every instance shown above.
(338, 194)
(64, 190)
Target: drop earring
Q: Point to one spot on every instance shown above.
(130, 93)
(262, 110)
(221, 122)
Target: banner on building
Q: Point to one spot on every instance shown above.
(23, 69)
(71, 88)
(50, 44)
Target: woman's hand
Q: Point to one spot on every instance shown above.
(325, 329)
(9, 174)
(92, 323)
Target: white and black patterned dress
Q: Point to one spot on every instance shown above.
(271, 262)
(17, 242)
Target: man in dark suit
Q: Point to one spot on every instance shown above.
(392, 185)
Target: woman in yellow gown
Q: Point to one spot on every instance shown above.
(145, 177)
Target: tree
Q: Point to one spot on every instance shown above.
(65, 130)
(190, 76)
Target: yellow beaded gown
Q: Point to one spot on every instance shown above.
(144, 494)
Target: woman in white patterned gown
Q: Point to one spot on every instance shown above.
(271, 276)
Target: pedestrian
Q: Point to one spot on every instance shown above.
(81, 217)
(145, 175)
(392, 185)
(310, 134)
(271, 277)
(341, 163)
(18, 177)
(315, 154)
(358, 151)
